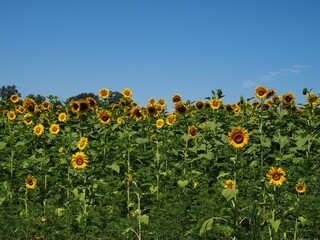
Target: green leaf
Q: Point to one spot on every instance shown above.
(183, 183)
(154, 189)
(142, 140)
(2, 200)
(207, 225)
(114, 166)
(275, 224)
(143, 218)
(266, 143)
(302, 220)
(222, 174)
(2, 145)
(229, 193)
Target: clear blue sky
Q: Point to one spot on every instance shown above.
(160, 48)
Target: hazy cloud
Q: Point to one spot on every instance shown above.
(248, 84)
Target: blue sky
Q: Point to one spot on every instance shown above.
(160, 48)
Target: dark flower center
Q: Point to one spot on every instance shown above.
(276, 176)
(238, 138)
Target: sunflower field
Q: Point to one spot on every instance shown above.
(205, 170)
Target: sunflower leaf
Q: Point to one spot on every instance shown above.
(207, 225)
(229, 193)
(143, 218)
(275, 224)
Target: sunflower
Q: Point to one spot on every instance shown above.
(159, 107)
(31, 182)
(301, 187)
(159, 123)
(312, 98)
(199, 105)
(46, 105)
(30, 105)
(136, 113)
(236, 108)
(11, 115)
(276, 176)
(192, 132)
(119, 120)
(228, 107)
(62, 117)
(75, 107)
(261, 92)
(82, 143)
(181, 108)
(238, 137)
(230, 184)
(92, 103)
(152, 101)
(79, 160)
(104, 93)
(276, 98)
(54, 129)
(19, 109)
(38, 129)
(26, 118)
(176, 98)
(14, 98)
(84, 106)
(60, 150)
(126, 92)
(207, 105)
(152, 110)
(162, 101)
(215, 103)
(270, 93)
(104, 117)
(288, 98)
(171, 119)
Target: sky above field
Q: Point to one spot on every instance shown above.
(160, 48)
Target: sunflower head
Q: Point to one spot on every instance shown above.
(104, 117)
(82, 143)
(79, 160)
(84, 106)
(171, 119)
(199, 105)
(276, 176)
(215, 103)
(152, 101)
(38, 129)
(75, 107)
(92, 103)
(192, 132)
(162, 101)
(228, 107)
(104, 93)
(301, 187)
(288, 98)
(30, 105)
(54, 129)
(271, 92)
(31, 182)
(26, 118)
(261, 92)
(181, 108)
(126, 93)
(312, 99)
(136, 113)
(230, 184)
(152, 110)
(46, 105)
(19, 109)
(11, 115)
(14, 98)
(238, 137)
(119, 120)
(159, 123)
(176, 98)
(62, 117)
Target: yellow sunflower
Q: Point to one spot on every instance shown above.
(199, 105)
(126, 93)
(288, 98)
(176, 98)
(261, 92)
(238, 137)
(92, 103)
(276, 176)
(136, 113)
(312, 98)
(14, 98)
(171, 119)
(301, 187)
(270, 93)
(84, 106)
(30, 105)
(152, 110)
(230, 184)
(104, 93)
(228, 107)
(31, 182)
(104, 117)
(119, 120)
(82, 143)
(19, 109)
(192, 132)
(62, 117)
(75, 107)
(38, 130)
(54, 129)
(26, 118)
(60, 150)
(79, 160)
(152, 101)
(46, 105)
(181, 108)
(215, 103)
(11, 115)
(162, 101)
(159, 123)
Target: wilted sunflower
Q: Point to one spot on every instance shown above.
(162, 101)
(14, 98)
(30, 105)
(181, 108)
(79, 160)
(301, 187)
(31, 182)
(199, 104)
(238, 137)
(54, 129)
(192, 132)
(159, 123)
(230, 184)
(82, 143)
(171, 119)
(62, 117)
(38, 129)
(104, 93)
(75, 107)
(126, 93)
(176, 98)
(84, 106)
(312, 98)
(152, 101)
(11, 115)
(261, 92)
(104, 117)
(276, 176)
(288, 98)
(46, 105)
(136, 113)
(26, 118)
(215, 103)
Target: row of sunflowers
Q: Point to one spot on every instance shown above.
(206, 170)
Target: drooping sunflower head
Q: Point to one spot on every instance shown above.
(45, 105)
(54, 129)
(276, 176)
(192, 132)
(236, 108)
(176, 98)
(301, 187)
(26, 118)
(82, 143)
(104, 117)
(215, 103)
(31, 182)
(62, 117)
(238, 137)
(171, 119)
(152, 101)
(159, 123)
(276, 98)
(230, 184)
(181, 108)
(92, 103)
(30, 105)
(199, 105)
(288, 98)
(19, 109)
(261, 92)
(126, 93)
(312, 99)
(271, 92)
(136, 113)
(14, 98)
(75, 107)
(11, 115)
(162, 101)
(79, 160)
(84, 106)
(104, 93)
(38, 129)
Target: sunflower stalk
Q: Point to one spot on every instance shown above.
(297, 218)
